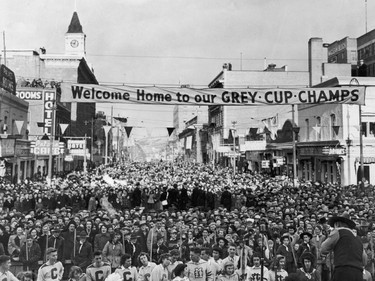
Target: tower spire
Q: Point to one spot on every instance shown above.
(75, 26)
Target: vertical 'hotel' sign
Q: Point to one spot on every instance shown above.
(49, 103)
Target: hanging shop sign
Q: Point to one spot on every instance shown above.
(22, 149)
(77, 148)
(68, 158)
(7, 147)
(334, 150)
(265, 164)
(192, 96)
(7, 79)
(49, 103)
(43, 147)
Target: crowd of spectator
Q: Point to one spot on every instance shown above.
(163, 221)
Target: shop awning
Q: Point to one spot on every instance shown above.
(366, 160)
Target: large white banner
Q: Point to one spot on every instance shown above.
(192, 96)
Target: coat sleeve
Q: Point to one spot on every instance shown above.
(329, 244)
(36, 255)
(105, 251)
(96, 242)
(11, 245)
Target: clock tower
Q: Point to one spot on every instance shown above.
(75, 39)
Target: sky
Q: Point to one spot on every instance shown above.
(172, 42)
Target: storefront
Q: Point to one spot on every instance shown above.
(321, 161)
(7, 149)
(24, 160)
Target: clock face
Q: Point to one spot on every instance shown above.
(74, 43)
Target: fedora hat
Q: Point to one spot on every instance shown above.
(305, 233)
(344, 219)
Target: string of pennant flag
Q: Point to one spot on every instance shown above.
(128, 130)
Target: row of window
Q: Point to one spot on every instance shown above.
(332, 125)
(217, 119)
(368, 129)
(366, 51)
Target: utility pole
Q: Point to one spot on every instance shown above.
(85, 156)
(295, 131)
(92, 141)
(234, 146)
(198, 127)
(5, 50)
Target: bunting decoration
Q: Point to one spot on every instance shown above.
(63, 127)
(106, 129)
(128, 130)
(170, 130)
(189, 142)
(19, 125)
(336, 129)
(271, 125)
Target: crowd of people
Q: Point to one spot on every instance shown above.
(180, 221)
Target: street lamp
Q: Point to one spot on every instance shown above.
(349, 144)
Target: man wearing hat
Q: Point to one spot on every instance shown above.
(305, 246)
(287, 251)
(142, 234)
(160, 248)
(57, 242)
(70, 238)
(83, 252)
(158, 229)
(349, 255)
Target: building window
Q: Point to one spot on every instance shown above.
(333, 125)
(307, 129)
(364, 129)
(319, 132)
(372, 129)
